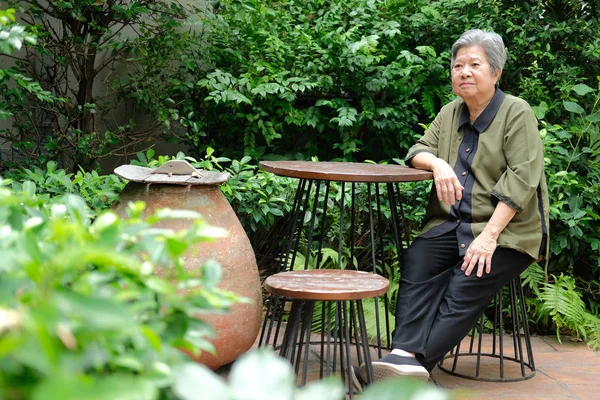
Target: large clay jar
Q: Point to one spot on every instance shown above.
(199, 191)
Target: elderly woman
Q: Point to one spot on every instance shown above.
(487, 217)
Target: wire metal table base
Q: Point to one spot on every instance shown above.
(304, 244)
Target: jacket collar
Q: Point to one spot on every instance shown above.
(487, 116)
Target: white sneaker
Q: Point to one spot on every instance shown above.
(392, 366)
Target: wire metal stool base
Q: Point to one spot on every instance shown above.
(520, 366)
(343, 333)
(528, 375)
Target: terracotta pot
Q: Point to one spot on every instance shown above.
(235, 331)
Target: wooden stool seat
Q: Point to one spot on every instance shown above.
(340, 293)
(327, 285)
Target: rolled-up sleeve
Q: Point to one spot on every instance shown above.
(428, 142)
(524, 158)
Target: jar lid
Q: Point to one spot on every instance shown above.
(175, 172)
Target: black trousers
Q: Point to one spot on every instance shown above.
(437, 304)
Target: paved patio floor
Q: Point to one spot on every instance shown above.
(567, 370)
(563, 371)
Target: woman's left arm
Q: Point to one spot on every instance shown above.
(515, 188)
(480, 252)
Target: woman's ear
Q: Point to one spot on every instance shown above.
(496, 76)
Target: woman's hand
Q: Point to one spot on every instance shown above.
(479, 254)
(447, 186)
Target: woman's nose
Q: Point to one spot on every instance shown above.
(466, 71)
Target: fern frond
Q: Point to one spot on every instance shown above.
(562, 302)
(533, 277)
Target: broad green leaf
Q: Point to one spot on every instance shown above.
(121, 387)
(211, 274)
(33, 223)
(582, 89)
(159, 285)
(207, 232)
(411, 389)
(76, 207)
(327, 389)
(177, 214)
(261, 375)
(200, 344)
(128, 362)
(195, 381)
(29, 189)
(104, 221)
(176, 246)
(176, 326)
(593, 117)
(541, 110)
(9, 344)
(98, 312)
(573, 107)
(152, 337)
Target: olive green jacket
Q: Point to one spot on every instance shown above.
(508, 166)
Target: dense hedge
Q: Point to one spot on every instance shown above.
(356, 80)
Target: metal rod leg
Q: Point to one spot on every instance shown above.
(290, 335)
(365, 340)
(307, 323)
(347, 363)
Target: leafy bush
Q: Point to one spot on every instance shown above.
(98, 191)
(82, 44)
(257, 197)
(12, 37)
(327, 79)
(573, 167)
(559, 302)
(83, 312)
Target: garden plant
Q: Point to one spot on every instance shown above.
(236, 82)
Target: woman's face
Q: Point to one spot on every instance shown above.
(472, 77)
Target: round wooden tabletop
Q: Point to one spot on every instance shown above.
(345, 171)
(327, 284)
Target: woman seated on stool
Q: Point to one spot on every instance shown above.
(487, 217)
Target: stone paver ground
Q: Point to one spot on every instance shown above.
(567, 370)
(563, 371)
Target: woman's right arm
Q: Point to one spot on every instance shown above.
(447, 186)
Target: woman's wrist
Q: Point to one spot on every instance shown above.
(433, 163)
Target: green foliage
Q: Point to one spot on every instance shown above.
(561, 301)
(564, 304)
(326, 79)
(355, 79)
(98, 191)
(80, 45)
(12, 35)
(89, 309)
(260, 374)
(408, 389)
(255, 376)
(572, 155)
(257, 197)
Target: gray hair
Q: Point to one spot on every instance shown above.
(491, 42)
